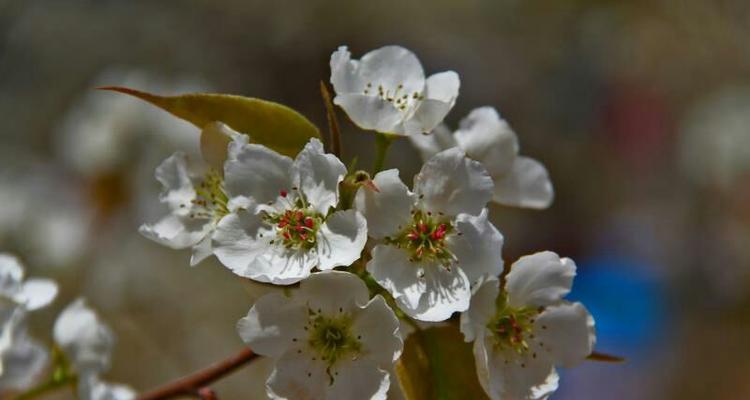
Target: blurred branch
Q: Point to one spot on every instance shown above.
(333, 123)
(197, 383)
(602, 357)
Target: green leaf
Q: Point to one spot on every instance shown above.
(270, 124)
(438, 364)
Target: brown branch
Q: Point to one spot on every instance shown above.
(197, 382)
(333, 123)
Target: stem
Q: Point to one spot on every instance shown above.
(44, 388)
(191, 384)
(383, 143)
(333, 123)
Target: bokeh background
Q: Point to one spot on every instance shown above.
(639, 109)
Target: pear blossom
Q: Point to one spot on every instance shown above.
(436, 241)
(31, 294)
(197, 198)
(386, 91)
(88, 344)
(287, 227)
(522, 331)
(327, 339)
(486, 137)
(22, 358)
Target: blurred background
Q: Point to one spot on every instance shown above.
(640, 111)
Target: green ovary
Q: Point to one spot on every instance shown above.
(512, 327)
(332, 338)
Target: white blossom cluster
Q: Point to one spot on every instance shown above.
(431, 249)
(357, 254)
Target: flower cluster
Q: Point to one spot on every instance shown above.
(359, 254)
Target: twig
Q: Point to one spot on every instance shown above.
(333, 123)
(197, 383)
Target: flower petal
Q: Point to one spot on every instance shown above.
(298, 376)
(429, 114)
(176, 176)
(318, 175)
(391, 66)
(479, 247)
(84, 338)
(37, 293)
(387, 208)
(527, 184)
(22, 363)
(506, 375)
(443, 86)
(358, 379)
(242, 242)
(201, 251)
(567, 330)
(487, 138)
(175, 232)
(446, 291)
(271, 324)
(378, 328)
(345, 75)
(333, 291)
(341, 239)
(429, 144)
(215, 140)
(256, 172)
(11, 274)
(539, 279)
(453, 184)
(370, 112)
(391, 268)
(481, 308)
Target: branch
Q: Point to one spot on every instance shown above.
(196, 382)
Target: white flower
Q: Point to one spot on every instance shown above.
(286, 228)
(386, 91)
(328, 340)
(32, 294)
(197, 198)
(486, 137)
(436, 241)
(522, 332)
(22, 359)
(88, 343)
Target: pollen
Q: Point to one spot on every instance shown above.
(512, 328)
(425, 238)
(211, 200)
(298, 225)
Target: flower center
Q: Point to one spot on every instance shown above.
(331, 337)
(512, 328)
(297, 226)
(398, 97)
(210, 200)
(424, 238)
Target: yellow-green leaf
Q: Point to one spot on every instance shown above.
(438, 364)
(270, 124)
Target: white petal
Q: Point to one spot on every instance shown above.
(378, 328)
(443, 86)
(215, 139)
(386, 209)
(298, 376)
(201, 251)
(453, 184)
(481, 309)
(333, 291)
(487, 138)
(84, 338)
(446, 291)
(37, 293)
(242, 243)
(429, 144)
(510, 376)
(539, 279)
(341, 239)
(91, 387)
(391, 268)
(358, 379)
(11, 275)
(175, 174)
(271, 324)
(479, 247)
(318, 175)
(370, 112)
(176, 232)
(426, 117)
(345, 76)
(391, 66)
(22, 363)
(567, 330)
(256, 172)
(527, 184)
